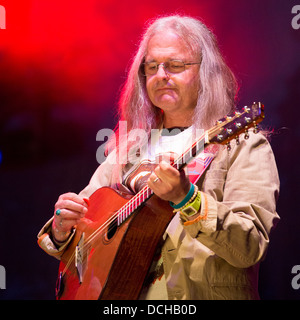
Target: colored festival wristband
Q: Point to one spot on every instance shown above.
(186, 199)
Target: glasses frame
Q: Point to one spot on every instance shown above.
(165, 67)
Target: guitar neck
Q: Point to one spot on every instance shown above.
(143, 195)
(134, 203)
(191, 153)
(225, 130)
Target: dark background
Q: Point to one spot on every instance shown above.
(62, 64)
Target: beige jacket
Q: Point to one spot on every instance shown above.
(218, 257)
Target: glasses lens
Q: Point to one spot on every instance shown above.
(175, 66)
(150, 68)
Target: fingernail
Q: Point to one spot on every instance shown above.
(87, 201)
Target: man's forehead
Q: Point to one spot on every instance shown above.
(167, 45)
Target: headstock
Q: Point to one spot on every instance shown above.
(233, 125)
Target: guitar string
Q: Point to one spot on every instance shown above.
(123, 210)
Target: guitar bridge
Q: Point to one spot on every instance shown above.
(79, 258)
(59, 286)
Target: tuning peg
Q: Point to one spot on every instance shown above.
(237, 140)
(220, 137)
(230, 131)
(255, 128)
(246, 109)
(228, 146)
(246, 134)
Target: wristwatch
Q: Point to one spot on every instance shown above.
(192, 208)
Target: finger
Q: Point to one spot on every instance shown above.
(73, 197)
(174, 184)
(69, 215)
(72, 202)
(72, 206)
(154, 177)
(167, 173)
(65, 225)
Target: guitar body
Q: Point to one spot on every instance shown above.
(114, 263)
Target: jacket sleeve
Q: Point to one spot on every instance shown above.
(46, 243)
(238, 208)
(103, 176)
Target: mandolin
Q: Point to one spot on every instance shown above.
(113, 246)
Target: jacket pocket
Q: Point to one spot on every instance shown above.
(220, 273)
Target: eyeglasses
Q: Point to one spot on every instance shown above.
(172, 66)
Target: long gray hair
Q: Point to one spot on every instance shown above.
(218, 86)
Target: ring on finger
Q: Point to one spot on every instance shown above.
(61, 222)
(155, 180)
(58, 212)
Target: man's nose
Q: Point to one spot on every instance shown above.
(161, 72)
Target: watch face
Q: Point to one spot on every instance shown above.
(189, 211)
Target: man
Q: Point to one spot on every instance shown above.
(213, 245)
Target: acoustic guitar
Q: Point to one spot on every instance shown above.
(113, 246)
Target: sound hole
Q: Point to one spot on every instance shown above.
(111, 231)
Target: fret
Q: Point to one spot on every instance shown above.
(123, 213)
(120, 216)
(134, 204)
(129, 207)
(191, 153)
